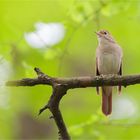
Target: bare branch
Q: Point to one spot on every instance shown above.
(61, 85)
(79, 82)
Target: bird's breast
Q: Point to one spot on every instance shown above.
(108, 63)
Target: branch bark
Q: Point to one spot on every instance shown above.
(60, 87)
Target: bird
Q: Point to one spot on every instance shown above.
(108, 61)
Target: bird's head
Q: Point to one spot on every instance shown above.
(105, 37)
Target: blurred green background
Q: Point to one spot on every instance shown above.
(73, 55)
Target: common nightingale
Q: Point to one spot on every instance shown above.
(108, 61)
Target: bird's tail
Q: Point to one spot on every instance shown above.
(107, 100)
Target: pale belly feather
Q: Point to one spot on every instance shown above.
(108, 63)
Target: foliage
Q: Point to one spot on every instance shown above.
(73, 56)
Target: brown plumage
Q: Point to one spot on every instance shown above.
(108, 61)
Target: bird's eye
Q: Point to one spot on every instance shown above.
(105, 33)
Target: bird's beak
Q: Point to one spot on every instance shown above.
(98, 34)
(95, 32)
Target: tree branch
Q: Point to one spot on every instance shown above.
(61, 85)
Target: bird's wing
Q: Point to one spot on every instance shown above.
(120, 73)
(97, 74)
